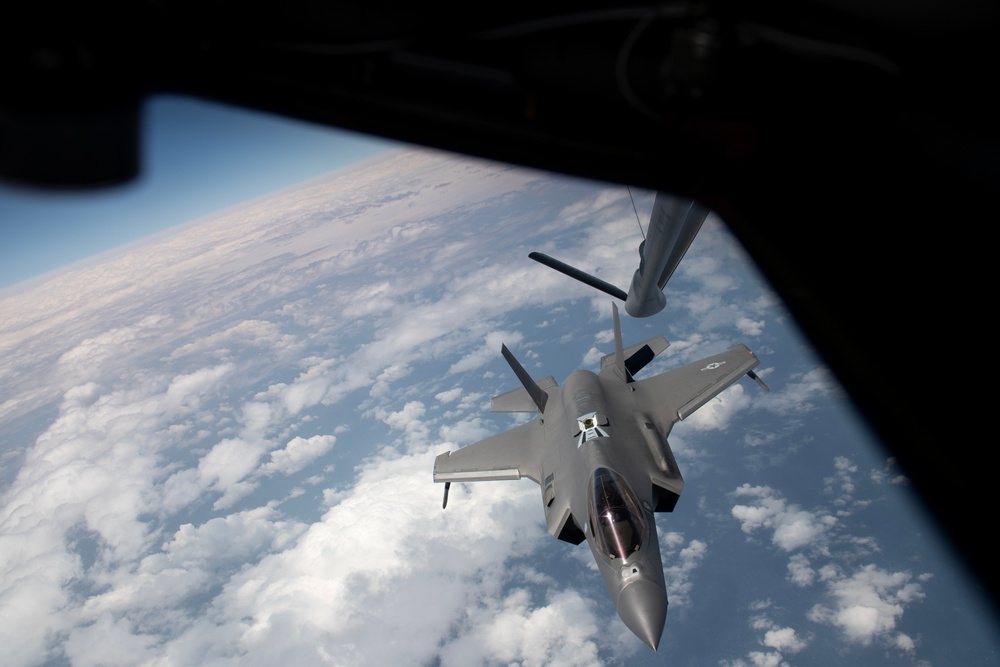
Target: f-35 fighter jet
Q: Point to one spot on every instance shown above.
(598, 449)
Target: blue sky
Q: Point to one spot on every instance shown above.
(218, 443)
(198, 158)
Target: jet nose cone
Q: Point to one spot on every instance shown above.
(642, 605)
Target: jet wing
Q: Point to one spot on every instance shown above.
(676, 394)
(512, 454)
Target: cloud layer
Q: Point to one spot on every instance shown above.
(220, 442)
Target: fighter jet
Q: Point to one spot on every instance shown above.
(673, 225)
(598, 450)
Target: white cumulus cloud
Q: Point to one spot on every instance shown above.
(867, 604)
(298, 453)
(792, 527)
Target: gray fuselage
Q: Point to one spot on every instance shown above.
(597, 455)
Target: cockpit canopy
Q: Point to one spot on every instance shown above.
(617, 522)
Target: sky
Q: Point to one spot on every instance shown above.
(198, 157)
(217, 441)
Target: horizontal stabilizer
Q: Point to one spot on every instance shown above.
(519, 400)
(576, 273)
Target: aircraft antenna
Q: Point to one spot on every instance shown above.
(637, 221)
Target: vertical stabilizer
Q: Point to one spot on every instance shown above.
(620, 369)
(537, 394)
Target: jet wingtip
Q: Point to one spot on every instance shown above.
(753, 376)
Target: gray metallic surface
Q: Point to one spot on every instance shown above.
(642, 606)
(673, 226)
(595, 422)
